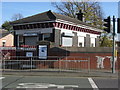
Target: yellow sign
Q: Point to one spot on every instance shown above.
(115, 53)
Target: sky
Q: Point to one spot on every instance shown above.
(31, 8)
(118, 36)
(8, 9)
(25, 8)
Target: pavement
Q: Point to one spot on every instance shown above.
(92, 73)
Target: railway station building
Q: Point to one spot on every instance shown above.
(59, 30)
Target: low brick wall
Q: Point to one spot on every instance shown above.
(90, 53)
(74, 54)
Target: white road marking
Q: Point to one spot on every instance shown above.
(43, 85)
(60, 86)
(2, 77)
(94, 86)
(31, 87)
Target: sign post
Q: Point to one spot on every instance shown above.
(30, 54)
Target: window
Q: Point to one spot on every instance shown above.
(3, 43)
(80, 44)
(46, 36)
(21, 40)
(67, 41)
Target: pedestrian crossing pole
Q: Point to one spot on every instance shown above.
(113, 54)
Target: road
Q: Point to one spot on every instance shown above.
(67, 83)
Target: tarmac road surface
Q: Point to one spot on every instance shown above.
(58, 83)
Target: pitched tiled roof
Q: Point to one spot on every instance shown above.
(48, 16)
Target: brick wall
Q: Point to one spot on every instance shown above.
(89, 53)
(73, 54)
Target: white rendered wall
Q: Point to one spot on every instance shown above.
(66, 31)
(81, 36)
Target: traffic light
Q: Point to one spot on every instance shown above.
(107, 24)
(118, 25)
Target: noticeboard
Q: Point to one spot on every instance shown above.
(29, 54)
(42, 51)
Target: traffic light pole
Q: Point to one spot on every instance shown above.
(113, 54)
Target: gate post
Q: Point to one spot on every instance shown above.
(59, 60)
(31, 62)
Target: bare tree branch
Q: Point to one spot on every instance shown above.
(91, 10)
(17, 17)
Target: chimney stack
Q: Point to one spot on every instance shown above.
(80, 15)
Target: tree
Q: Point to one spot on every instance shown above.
(17, 17)
(105, 41)
(6, 25)
(91, 10)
